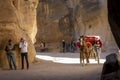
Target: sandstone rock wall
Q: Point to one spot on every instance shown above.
(68, 19)
(17, 19)
(95, 22)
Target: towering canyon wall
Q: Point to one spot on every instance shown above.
(68, 19)
(17, 19)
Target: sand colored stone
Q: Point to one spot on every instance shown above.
(17, 19)
(60, 19)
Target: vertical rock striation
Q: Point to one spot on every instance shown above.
(17, 19)
(68, 19)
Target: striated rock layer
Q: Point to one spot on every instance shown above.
(68, 19)
(17, 19)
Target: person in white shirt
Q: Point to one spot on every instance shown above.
(24, 52)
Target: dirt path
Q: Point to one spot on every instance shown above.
(52, 71)
(47, 70)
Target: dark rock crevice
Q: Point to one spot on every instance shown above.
(114, 19)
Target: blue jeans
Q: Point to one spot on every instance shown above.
(24, 55)
(11, 59)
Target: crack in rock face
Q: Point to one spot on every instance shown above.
(69, 19)
(17, 19)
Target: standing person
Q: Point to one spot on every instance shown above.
(98, 46)
(82, 40)
(10, 47)
(78, 45)
(24, 52)
(81, 49)
(68, 46)
(63, 45)
(42, 47)
(73, 46)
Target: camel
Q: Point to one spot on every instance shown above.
(87, 51)
(84, 53)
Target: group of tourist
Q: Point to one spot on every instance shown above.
(77, 45)
(69, 46)
(10, 48)
(90, 48)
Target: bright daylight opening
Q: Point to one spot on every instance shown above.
(65, 58)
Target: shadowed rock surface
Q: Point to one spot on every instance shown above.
(111, 68)
(68, 19)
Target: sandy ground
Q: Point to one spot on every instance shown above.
(48, 70)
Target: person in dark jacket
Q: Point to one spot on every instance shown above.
(10, 47)
(63, 45)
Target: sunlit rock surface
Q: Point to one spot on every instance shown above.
(17, 19)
